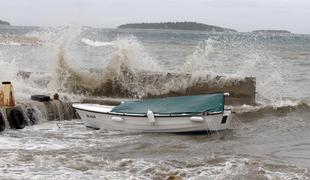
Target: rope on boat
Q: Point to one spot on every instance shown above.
(151, 117)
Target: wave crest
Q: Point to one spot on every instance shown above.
(95, 43)
(133, 74)
(280, 107)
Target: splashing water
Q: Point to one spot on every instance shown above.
(125, 64)
(96, 43)
(270, 140)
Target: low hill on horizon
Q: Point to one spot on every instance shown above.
(272, 31)
(177, 26)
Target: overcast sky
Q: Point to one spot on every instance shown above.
(242, 15)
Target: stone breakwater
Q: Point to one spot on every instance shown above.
(31, 112)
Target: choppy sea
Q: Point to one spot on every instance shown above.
(268, 141)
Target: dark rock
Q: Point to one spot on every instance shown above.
(174, 177)
(4, 23)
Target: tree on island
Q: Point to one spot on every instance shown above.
(272, 31)
(177, 26)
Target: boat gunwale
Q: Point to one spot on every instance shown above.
(156, 115)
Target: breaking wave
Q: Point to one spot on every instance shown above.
(95, 43)
(128, 71)
(132, 73)
(278, 108)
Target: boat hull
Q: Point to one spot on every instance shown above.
(132, 123)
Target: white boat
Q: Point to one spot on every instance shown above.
(173, 114)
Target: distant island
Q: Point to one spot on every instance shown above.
(194, 26)
(272, 31)
(4, 23)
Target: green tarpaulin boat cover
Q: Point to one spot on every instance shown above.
(174, 105)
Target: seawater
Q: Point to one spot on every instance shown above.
(269, 141)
